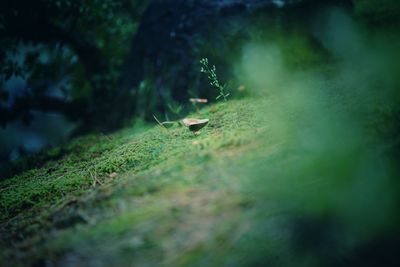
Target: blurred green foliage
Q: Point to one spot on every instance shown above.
(77, 47)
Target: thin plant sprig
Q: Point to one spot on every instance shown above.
(212, 76)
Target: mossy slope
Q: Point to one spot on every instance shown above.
(288, 178)
(117, 194)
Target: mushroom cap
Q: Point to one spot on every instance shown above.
(195, 125)
(198, 100)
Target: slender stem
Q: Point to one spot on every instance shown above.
(212, 76)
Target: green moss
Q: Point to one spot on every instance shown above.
(179, 199)
(156, 162)
(90, 160)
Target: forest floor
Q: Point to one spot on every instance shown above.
(268, 180)
(148, 198)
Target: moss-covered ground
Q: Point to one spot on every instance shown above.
(267, 181)
(154, 197)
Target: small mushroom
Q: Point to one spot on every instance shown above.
(198, 100)
(195, 125)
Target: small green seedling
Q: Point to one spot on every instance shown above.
(212, 76)
(175, 108)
